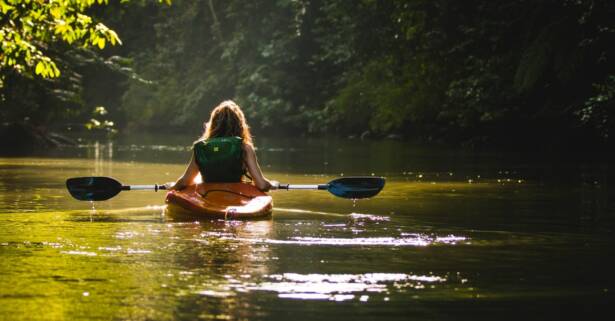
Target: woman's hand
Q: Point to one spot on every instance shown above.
(274, 184)
(170, 186)
(268, 185)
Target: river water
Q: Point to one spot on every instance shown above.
(454, 235)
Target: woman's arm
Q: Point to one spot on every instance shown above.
(188, 178)
(255, 171)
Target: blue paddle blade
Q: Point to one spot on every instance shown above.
(356, 187)
(93, 188)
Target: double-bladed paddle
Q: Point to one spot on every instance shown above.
(98, 188)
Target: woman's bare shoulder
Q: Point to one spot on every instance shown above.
(248, 148)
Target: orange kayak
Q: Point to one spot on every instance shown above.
(219, 200)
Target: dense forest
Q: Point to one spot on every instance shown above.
(474, 72)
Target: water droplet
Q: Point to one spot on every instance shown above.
(92, 211)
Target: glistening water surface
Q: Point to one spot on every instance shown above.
(453, 236)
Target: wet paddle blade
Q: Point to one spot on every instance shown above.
(356, 187)
(93, 188)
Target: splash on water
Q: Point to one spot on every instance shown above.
(92, 211)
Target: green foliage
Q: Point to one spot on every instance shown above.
(29, 26)
(99, 123)
(598, 112)
(208, 53)
(424, 68)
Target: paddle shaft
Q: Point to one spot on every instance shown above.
(297, 186)
(155, 187)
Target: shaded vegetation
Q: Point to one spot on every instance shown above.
(475, 71)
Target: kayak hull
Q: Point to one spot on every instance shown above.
(219, 201)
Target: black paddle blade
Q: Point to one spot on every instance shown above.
(93, 188)
(356, 187)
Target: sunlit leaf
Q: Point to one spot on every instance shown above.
(100, 110)
(56, 12)
(113, 37)
(101, 43)
(4, 7)
(56, 70)
(40, 66)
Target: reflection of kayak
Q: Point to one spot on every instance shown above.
(219, 200)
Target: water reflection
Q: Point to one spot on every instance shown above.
(217, 269)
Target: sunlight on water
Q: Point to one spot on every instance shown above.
(409, 240)
(79, 253)
(280, 210)
(369, 217)
(334, 287)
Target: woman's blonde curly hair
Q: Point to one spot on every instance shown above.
(227, 119)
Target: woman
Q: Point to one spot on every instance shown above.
(225, 151)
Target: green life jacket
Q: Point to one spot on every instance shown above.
(220, 159)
